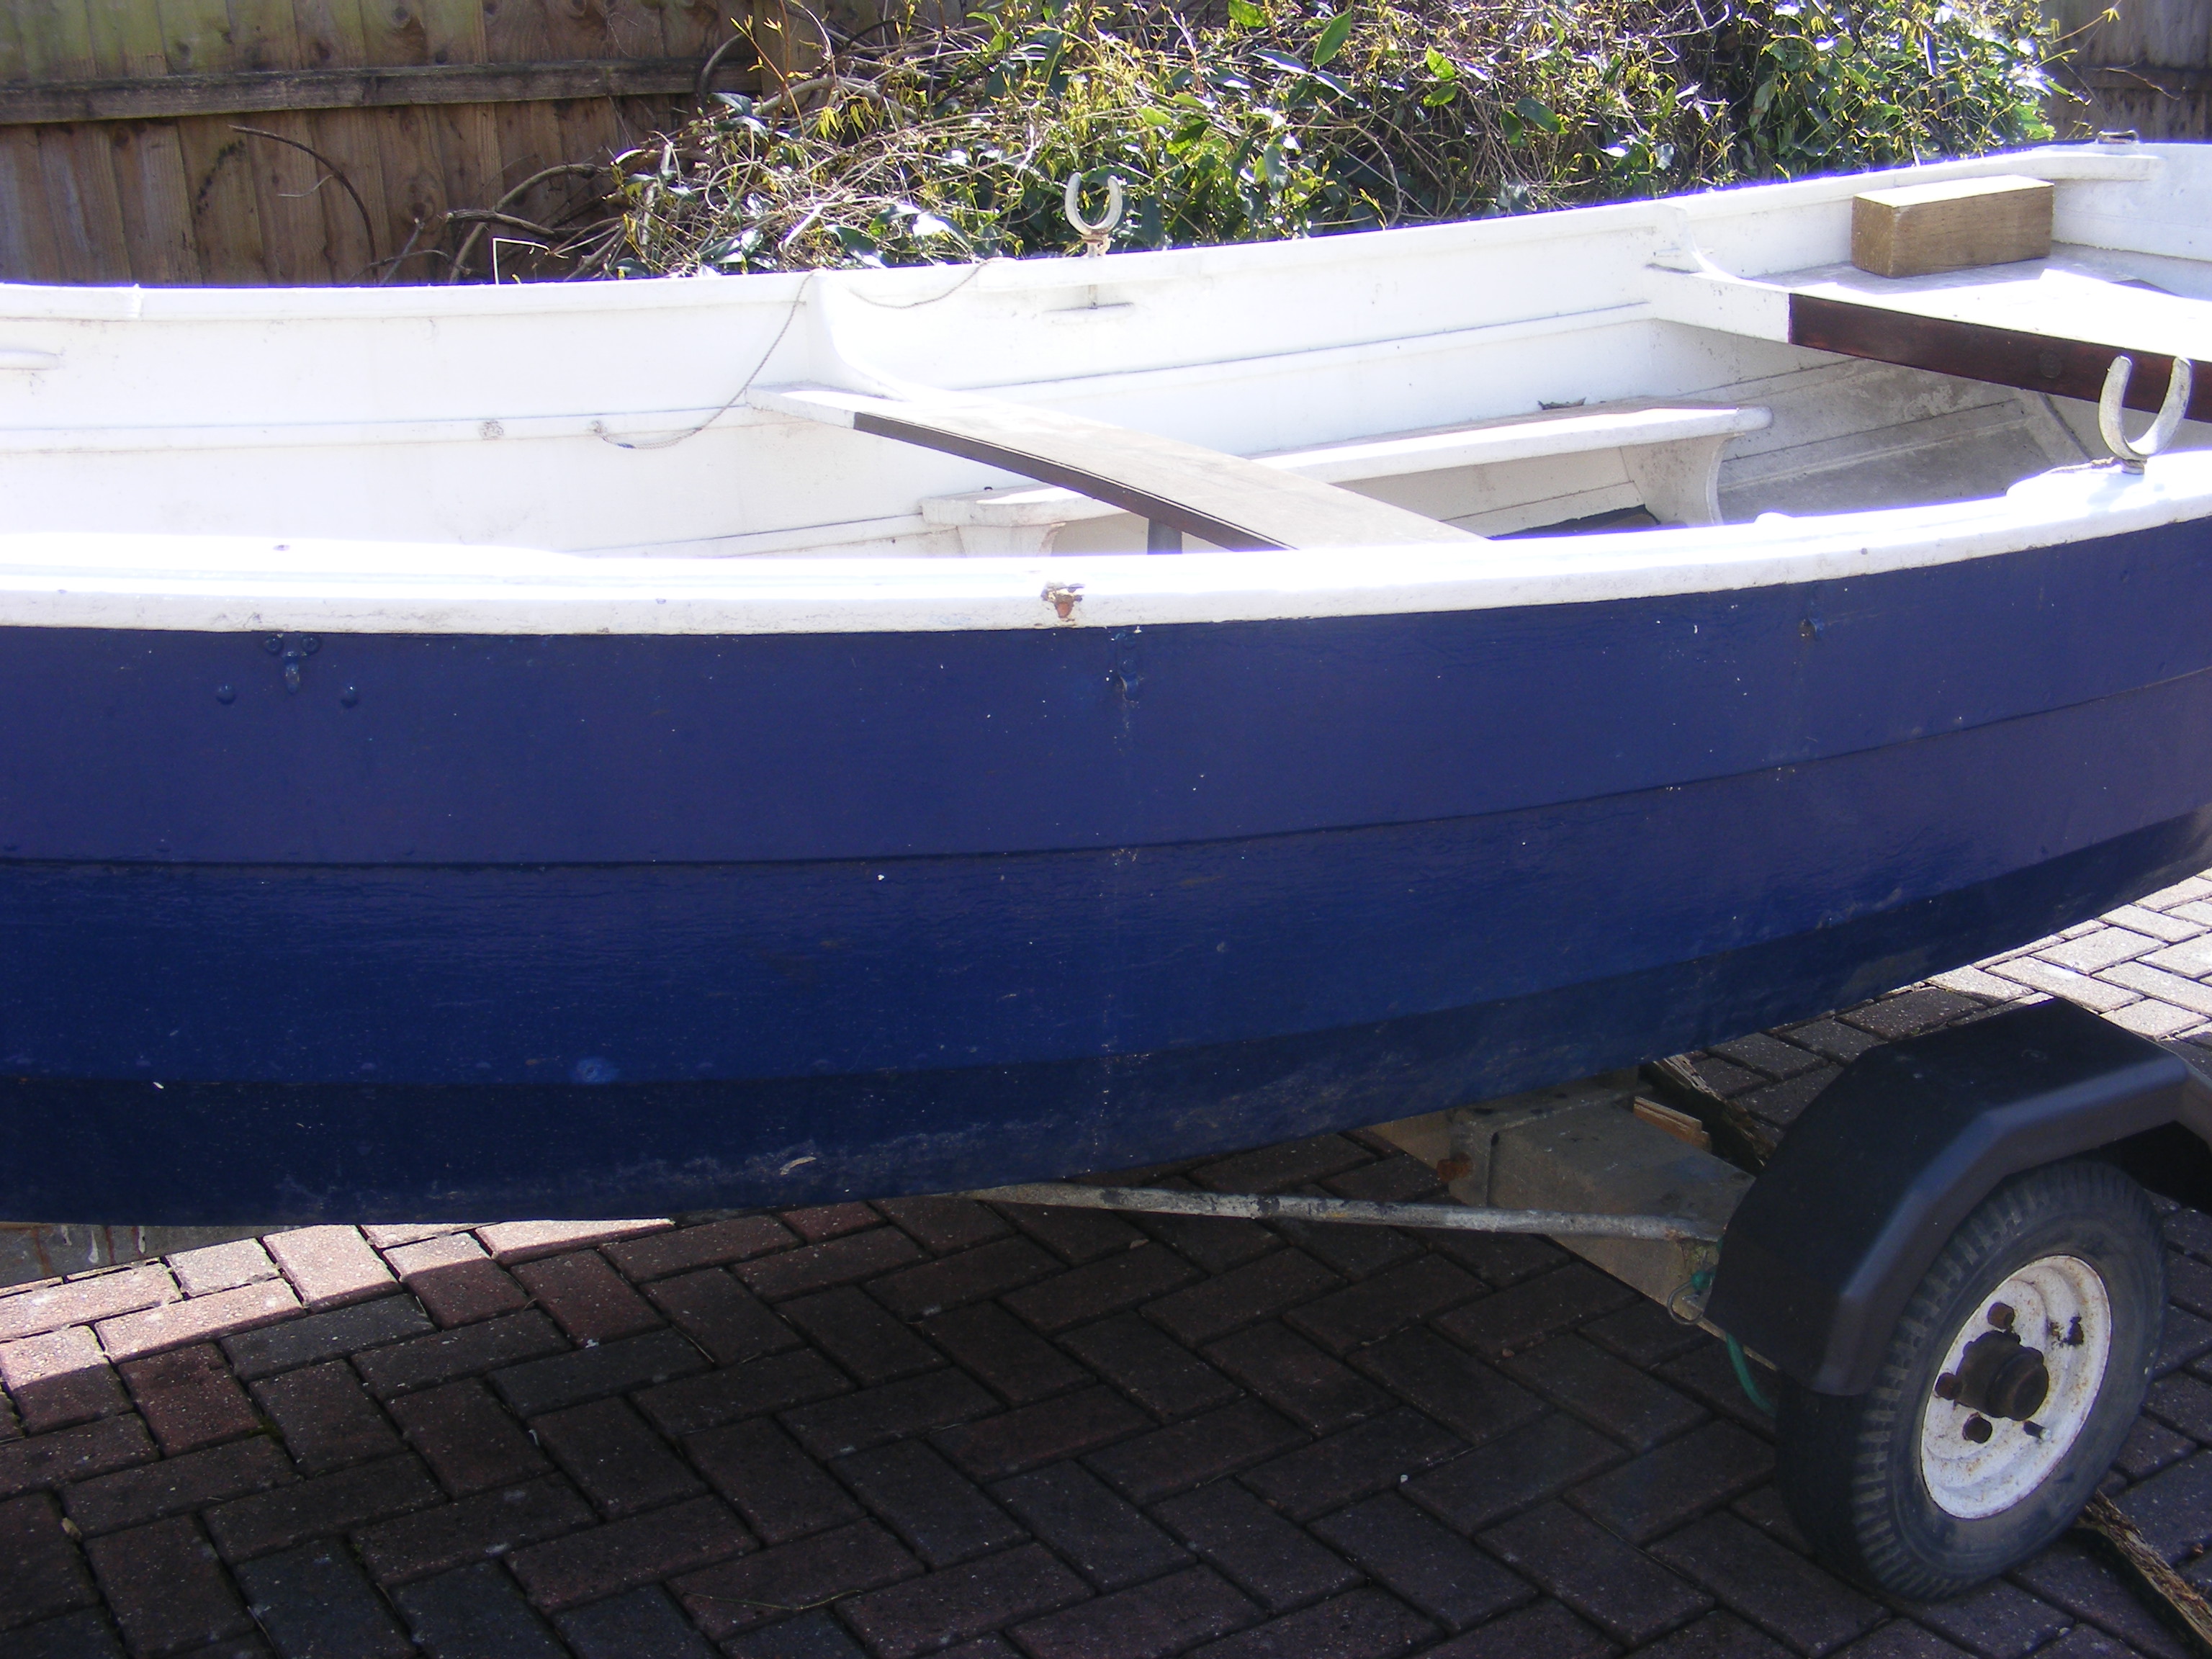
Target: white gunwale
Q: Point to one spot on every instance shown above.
(235, 583)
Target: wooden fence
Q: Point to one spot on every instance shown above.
(2147, 67)
(168, 141)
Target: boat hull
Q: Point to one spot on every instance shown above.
(583, 925)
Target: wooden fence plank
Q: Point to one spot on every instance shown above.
(152, 201)
(293, 198)
(265, 37)
(155, 200)
(465, 137)
(332, 37)
(330, 34)
(27, 250)
(633, 29)
(195, 36)
(529, 140)
(126, 42)
(453, 30)
(348, 138)
(225, 207)
(692, 28)
(397, 31)
(56, 37)
(14, 65)
(81, 198)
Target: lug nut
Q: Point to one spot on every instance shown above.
(1977, 1430)
(1947, 1386)
(2001, 1316)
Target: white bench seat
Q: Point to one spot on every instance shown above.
(1181, 489)
(1662, 454)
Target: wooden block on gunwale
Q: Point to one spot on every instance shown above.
(1958, 225)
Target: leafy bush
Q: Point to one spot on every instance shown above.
(1286, 118)
(1834, 89)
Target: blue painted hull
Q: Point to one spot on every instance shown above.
(586, 926)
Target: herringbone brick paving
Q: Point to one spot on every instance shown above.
(928, 1426)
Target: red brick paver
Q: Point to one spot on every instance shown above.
(933, 1425)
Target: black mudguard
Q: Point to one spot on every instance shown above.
(1828, 1244)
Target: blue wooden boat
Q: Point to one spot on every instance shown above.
(463, 761)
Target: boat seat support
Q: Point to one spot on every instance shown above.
(1669, 451)
(1184, 489)
(2039, 325)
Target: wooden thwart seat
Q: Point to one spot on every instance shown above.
(1223, 499)
(2038, 325)
(1668, 458)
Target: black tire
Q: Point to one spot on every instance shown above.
(1850, 1469)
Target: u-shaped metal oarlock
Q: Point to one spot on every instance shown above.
(1095, 236)
(2132, 454)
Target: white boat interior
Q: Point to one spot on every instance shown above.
(1604, 369)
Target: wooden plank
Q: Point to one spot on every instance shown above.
(225, 207)
(460, 141)
(55, 37)
(13, 65)
(81, 197)
(530, 137)
(333, 37)
(155, 198)
(2032, 359)
(126, 42)
(1220, 498)
(467, 138)
(152, 193)
(296, 199)
(455, 32)
(415, 199)
(27, 252)
(406, 146)
(368, 88)
(330, 34)
(571, 131)
(264, 38)
(348, 137)
(633, 28)
(692, 28)
(196, 38)
(1956, 225)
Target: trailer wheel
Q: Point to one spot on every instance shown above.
(2013, 1376)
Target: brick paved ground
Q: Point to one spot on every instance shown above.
(925, 1424)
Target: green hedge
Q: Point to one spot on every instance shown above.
(1284, 119)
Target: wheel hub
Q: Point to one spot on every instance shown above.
(1998, 1376)
(2018, 1382)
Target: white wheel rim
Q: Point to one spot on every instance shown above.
(1973, 1479)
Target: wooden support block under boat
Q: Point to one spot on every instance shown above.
(1224, 499)
(1955, 225)
(2041, 325)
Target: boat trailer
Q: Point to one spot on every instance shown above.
(1956, 1290)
